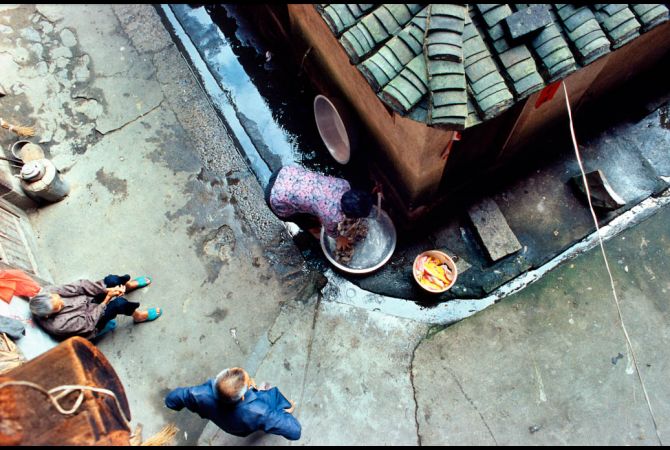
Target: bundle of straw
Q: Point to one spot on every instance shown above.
(163, 437)
(18, 129)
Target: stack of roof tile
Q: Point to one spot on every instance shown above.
(375, 28)
(340, 17)
(650, 15)
(490, 93)
(618, 21)
(444, 61)
(552, 50)
(382, 66)
(581, 26)
(455, 65)
(517, 61)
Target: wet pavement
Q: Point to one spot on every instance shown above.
(161, 186)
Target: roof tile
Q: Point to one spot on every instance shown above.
(619, 23)
(584, 31)
(434, 63)
(650, 15)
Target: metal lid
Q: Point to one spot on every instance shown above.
(32, 171)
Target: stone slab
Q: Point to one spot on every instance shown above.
(498, 238)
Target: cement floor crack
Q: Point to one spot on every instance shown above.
(132, 121)
(416, 402)
(315, 318)
(460, 387)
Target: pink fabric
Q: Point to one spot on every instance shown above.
(298, 190)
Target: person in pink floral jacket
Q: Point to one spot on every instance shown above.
(299, 195)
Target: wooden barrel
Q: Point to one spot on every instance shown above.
(27, 416)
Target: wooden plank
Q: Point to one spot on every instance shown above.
(496, 235)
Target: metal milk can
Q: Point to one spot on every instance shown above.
(41, 180)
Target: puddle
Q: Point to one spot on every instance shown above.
(268, 106)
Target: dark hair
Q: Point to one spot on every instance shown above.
(356, 203)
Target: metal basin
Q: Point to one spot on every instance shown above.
(369, 254)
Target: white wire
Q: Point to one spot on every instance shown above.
(607, 266)
(67, 389)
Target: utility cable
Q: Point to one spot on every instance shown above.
(607, 266)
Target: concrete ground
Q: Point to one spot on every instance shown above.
(159, 188)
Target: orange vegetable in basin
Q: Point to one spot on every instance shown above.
(434, 271)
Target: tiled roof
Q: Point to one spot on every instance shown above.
(455, 65)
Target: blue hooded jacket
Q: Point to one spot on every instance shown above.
(260, 410)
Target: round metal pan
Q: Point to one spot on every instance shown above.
(369, 254)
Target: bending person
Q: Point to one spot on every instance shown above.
(87, 308)
(312, 200)
(233, 402)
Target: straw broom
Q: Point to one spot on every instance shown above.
(18, 129)
(163, 437)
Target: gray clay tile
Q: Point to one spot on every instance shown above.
(549, 46)
(449, 97)
(445, 51)
(340, 17)
(420, 111)
(445, 37)
(528, 85)
(492, 90)
(486, 82)
(374, 74)
(528, 20)
(375, 26)
(480, 69)
(451, 111)
(374, 31)
(650, 15)
(444, 67)
(438, 23)
(501, 45)
(582, 15)
(421, 83)
(495, 104)
(484, 7)
(515, 55)
(450, 9)
(387, 20)
(496, 32)
(405, 94)
(475, 58)
(495, 15)
(521, 70)
(473, 117)
(449, 81)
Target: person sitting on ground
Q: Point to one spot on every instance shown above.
(299, 195)
(233, 402)
(87, 308)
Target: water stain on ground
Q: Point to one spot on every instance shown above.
(116, 186)
(218, 314)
